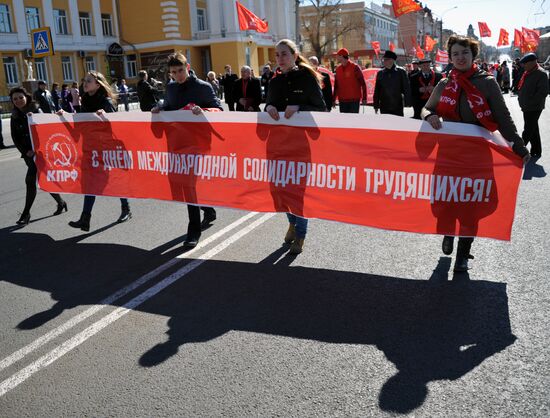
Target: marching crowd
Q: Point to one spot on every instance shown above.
(300, 84)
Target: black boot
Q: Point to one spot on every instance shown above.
(447, 245)
(62, 206)
(463, 255)
(209, 217)
(83, 223)
(24, 219)
(125, 214)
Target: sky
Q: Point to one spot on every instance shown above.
(506, 14)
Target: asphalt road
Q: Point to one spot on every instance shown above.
(120, 322)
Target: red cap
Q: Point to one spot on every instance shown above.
(343, 52)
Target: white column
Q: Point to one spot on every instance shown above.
(287, 19)
(98, 27)
(20, 22)
(47, 11)
(115, 22)
(231, 18)
(262, 10)
(75, 22)
(214, 18)
(193, 17)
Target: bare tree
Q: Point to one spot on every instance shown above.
(323, 23)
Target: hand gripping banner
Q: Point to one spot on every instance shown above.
(381, 171)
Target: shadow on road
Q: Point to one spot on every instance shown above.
(431, 330)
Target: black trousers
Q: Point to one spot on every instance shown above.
(349, 107)
(396, 112)
(531, 131)
(231, 106)
(30, 181)
(194, 227)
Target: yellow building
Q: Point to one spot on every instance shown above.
(120, 37)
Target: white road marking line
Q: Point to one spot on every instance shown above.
(39, 342)
(44, 361)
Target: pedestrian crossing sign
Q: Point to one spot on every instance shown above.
(41, 40)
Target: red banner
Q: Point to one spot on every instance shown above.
(392, 47)
(401, 7)
(369, 74)
(442, 57)
(503, 38)
(484, 31)
(249, 21)
(382, 171)
(375, 47)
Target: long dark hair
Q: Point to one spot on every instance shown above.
(30, 106)
(301, 62)
(104, 87)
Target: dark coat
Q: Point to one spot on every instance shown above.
(416, 94)
(297, 87)
(20, 133)
(44, 101)
(96, 102)
(146, 95)
(253, 94)
(391, 90)
(265, 79)
(192, 90)
(227, 82)
(327, 90)
(533, 92)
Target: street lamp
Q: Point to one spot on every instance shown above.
(441, 23)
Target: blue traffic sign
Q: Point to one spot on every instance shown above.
(42, 44)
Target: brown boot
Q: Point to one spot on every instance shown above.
(290, 234)
(297, 246)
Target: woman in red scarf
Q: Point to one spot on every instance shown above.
(469, 95)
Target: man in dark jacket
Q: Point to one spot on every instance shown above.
(227, 82)
(266, 77)
(392, 87)
(146, 92)
(422, 85)
(326, 87)
(247, 92)
(44, 98)
(532, 92)
(188, 90)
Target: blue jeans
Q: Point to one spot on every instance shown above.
(300, 223)
(90, 200)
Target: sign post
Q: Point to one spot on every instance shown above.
(41, 41)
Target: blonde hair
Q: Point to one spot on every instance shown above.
(211, 74)
(104, 86)
(301, 61)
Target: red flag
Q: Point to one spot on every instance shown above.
(503, 38)
(484, 31)
(392, 47)
(376, 47)
(518, 39)
(429, 43)
(530, 39)
(401, 7)
(419, 52)
(249, 21)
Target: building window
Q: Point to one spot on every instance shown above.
(85, 23)
(107, 24)
(90, 64)
(67, 66)
(247, 55)
(202, 23)
(10, 68)
(32, 16)
(60, 22)
(5, 21)
(131, 68)
(41, 73)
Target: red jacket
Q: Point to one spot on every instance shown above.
(350, 85)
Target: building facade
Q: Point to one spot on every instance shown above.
(121, 37)
(365, 24)
(413, 27)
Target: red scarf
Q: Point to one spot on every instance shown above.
(525, 74)
(431, 82)
(449, 101)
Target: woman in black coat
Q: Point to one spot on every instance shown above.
(99, 98)
(295, 87)
(22, 106)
